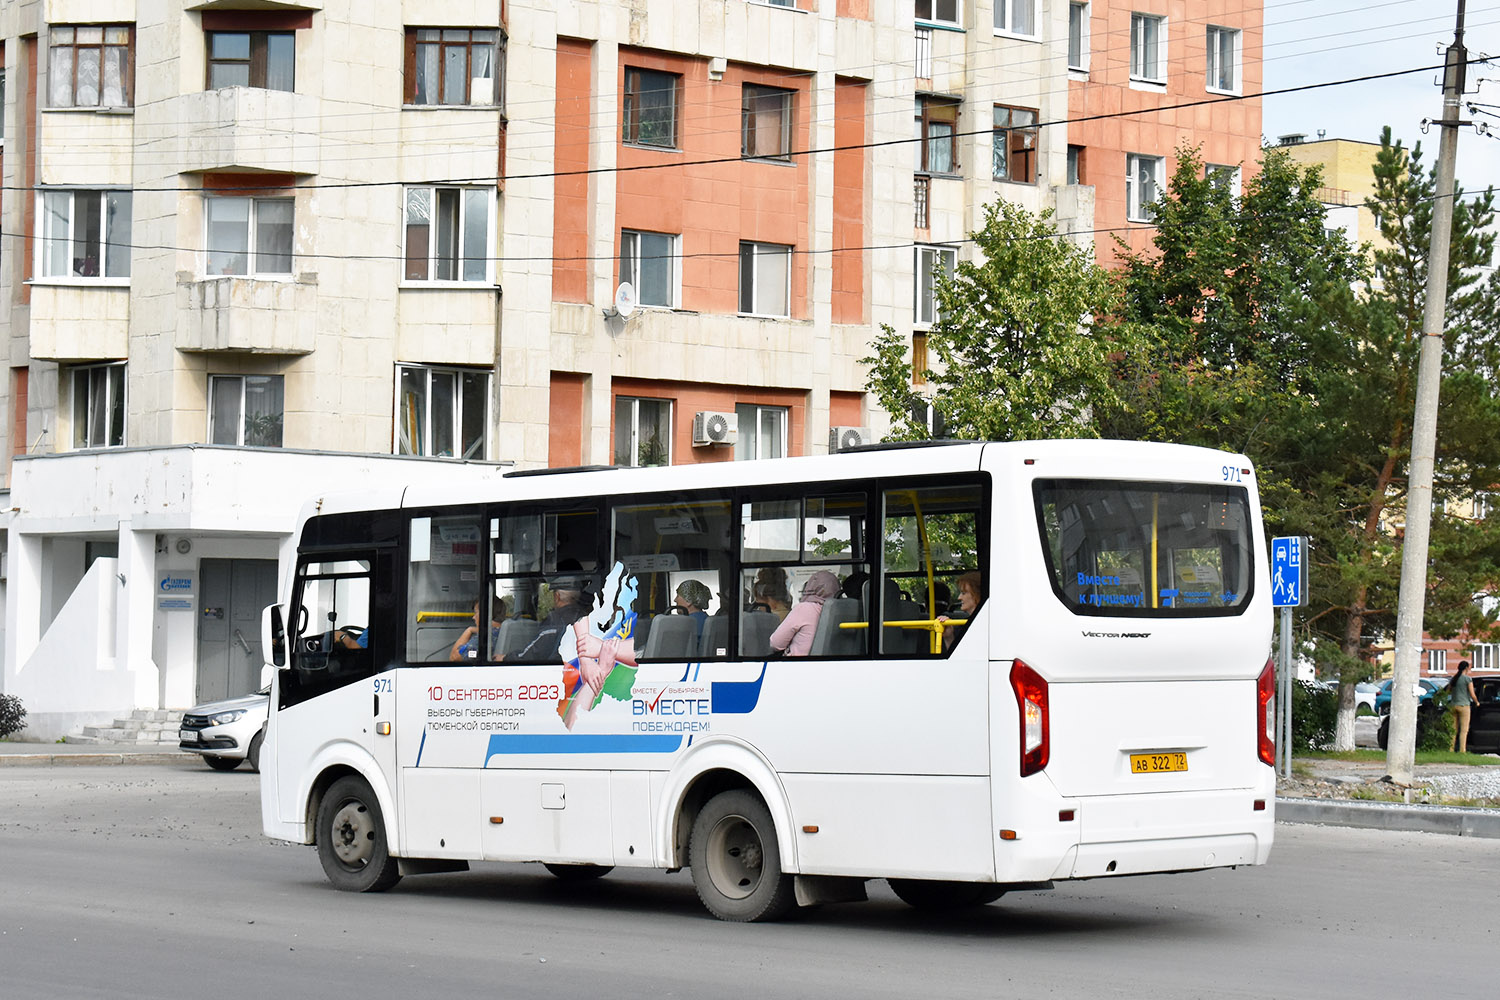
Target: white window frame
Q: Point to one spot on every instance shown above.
(115, 398)
(253, 254)
(1483, 501)
(1139, 67)
(758, 251)
(631, 264)
(238, 385)
(635, 426)
(935, 16)
(109, 236)
(456, 414)
(1005, 18)
(1135, 204)
(1215, 173)
(1212, 70)
(924, 284)
(1484, 656)
(1437, 661)
(467, 198)
(1078, 17)
(750, 444)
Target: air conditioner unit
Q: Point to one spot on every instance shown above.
(712, 427)
(844, 438)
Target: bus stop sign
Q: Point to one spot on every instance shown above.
(1288, 572)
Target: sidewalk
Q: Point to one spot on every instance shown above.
(21, 754)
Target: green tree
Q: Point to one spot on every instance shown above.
(1019, 353)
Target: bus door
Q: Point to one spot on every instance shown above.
(335, 681)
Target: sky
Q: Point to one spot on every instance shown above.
(1312, 41)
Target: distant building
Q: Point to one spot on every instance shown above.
(1348, 179)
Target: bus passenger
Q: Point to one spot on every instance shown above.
(771, 591)
(969, 599)
(466, 647)
(568, 607)
(794, 636)
(693, 598)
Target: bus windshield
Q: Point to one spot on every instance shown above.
(1127, 549)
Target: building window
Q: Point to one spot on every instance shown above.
(99, 406)
(1485, 656)
(762, 431)
(1016, 17)
(648, 261)
(1143, 180)
(89, 66)
(263, 59)
(643, 431)
(1437, 661)
(1224, 177)
(245, 410)
(649, 117)
(455, 66)
(919, 364)
(937, 144)
(1482, 504)
(447, 234)
(765, 279)
(249, 236)
(931, 261)
(1075, 165)
(442, 412)
(85, 234)
(1148, 41)
(1078, 37)
(1015, 143)
(765, 123)
(938, 11)
(1223, 59)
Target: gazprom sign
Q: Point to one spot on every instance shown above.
(174, 591)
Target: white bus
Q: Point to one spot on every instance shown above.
(964, 669)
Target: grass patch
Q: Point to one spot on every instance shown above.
(1379, 757)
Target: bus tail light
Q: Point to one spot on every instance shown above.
(1265, 716)
(1031, 700)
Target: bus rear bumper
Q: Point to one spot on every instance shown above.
(1176, 855)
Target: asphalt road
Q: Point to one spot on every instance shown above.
(151, 881)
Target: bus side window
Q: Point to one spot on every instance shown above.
(931, 542)
(442, 584)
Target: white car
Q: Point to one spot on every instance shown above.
(1364, 697)
(227, 732)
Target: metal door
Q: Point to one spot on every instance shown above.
(229, 655)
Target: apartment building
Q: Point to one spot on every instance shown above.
(262, 251)
(1147, 78)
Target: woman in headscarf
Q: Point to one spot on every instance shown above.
(794, 636)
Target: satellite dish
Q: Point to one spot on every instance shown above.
(624, 300)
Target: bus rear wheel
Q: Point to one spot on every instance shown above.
(578, 873)
(736, 861)
(352, 845)
(925, 894)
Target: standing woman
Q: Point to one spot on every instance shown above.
(1461, 701)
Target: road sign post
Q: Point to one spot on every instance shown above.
(1288, 591)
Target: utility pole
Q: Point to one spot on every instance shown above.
(1401, 743)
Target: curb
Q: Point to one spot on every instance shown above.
(60, 759)
(1452, 820)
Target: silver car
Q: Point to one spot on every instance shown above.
(227, 732)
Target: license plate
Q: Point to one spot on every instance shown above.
(1155, 763)
(187, 736)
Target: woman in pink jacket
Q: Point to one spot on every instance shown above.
(794, 636)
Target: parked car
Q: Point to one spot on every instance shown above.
(1364, 697)
(1383, 694)
(1484, 718)
(227, 732)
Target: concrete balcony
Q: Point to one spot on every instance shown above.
(78, 322)
(247, 315)
(248, 129)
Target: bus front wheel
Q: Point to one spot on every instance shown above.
(925, 894)
(351, 838)
(736, 861)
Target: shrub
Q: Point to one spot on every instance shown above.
(12, 715)
(1314, 713)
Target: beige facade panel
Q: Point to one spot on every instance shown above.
(85, 148)
(443, 326)
(248, 315)
(73, 323)
(244, 128)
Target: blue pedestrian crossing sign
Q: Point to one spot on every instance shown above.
(1288, 572)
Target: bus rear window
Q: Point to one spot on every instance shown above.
(1129, 549)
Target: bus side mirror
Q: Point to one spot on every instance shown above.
(273, 634)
